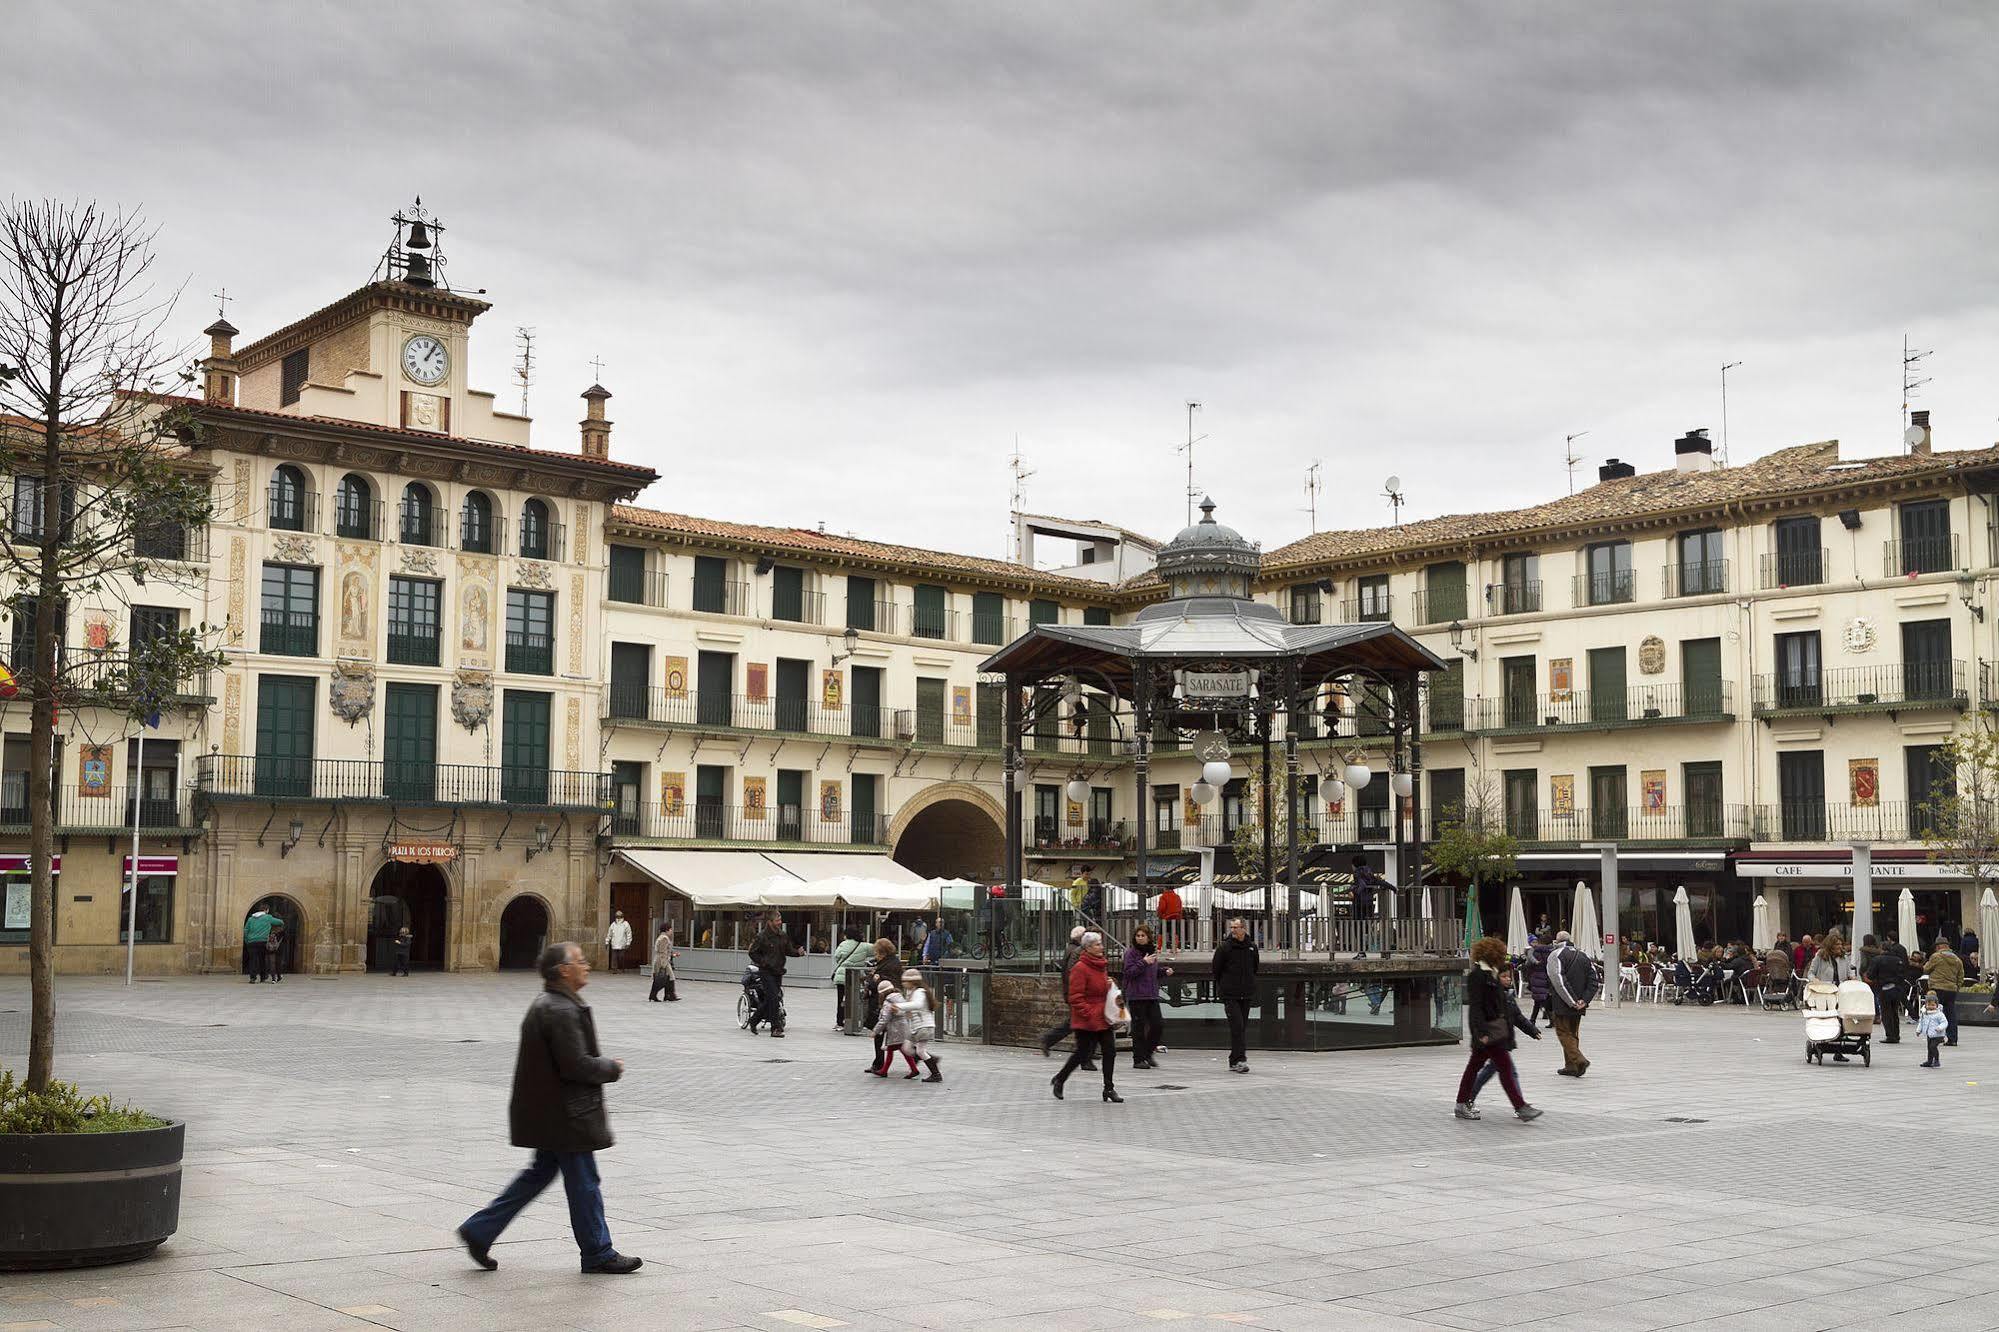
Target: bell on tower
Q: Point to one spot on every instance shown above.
(413, 256)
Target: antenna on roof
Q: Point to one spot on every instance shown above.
(1193, 495)
(1724, 410)
(524, 363)
(1909, 381)
(1312, 492)
(1017, 501)
(1392, 490)
(1570, 457)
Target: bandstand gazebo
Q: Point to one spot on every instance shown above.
(1216, 672)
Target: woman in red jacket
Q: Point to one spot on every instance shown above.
(1089, 985)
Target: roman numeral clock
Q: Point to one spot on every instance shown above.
(426, 362)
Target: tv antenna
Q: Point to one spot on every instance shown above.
(1193, 495)
(1391, 489)
(1312, 487)
(1909, 381)
(524, 362)
(1570, 457)
(1017, 464)
(1724, 410)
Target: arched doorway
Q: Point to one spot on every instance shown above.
(413, 895)
(523, 933)
(951, 838)
(292, 947)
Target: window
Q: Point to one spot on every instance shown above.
(159, 782)
(711, 584)
(1447, 697)
(353, 515)
(860, 602)
(414, 621)
(794, 694)
(159, 538)
(1703, 568)
(1520, 584)
(1047, 815)
(287, 499)
(284, 735)
(1700, 677)
(152, 921)
(1371, 803)
(530, 632)
(30, 497)
(290, 611)
(787, 594)
(1701, 783)
(1607, 700)
(1800, 560)
(24, 634)
(1165, 815)
(1801, 791)
(864, 702)
(291, 376)
(1097, 615)
(631, 679)
(711, 807)
(929, 710)
(475, 525)
(1100, 814)
(1516, 682)
(1443, 592)
(1926, 545)
(791, 804)
(409, 741)
(991, 716)
(1608, 577)
(417, 527)
(1607, 814)
(714, 688)
(1798, 681)
(1372, 598)
(1932, 788)
(989, 624)
(524, 747)
(536, 537)
(1235, 805)
(150, 623)
(628, 784)
(1305, 604)
(1043, 612)
(627, 575)
(1447, 798)
(1523, 814)
(1927, 670)
(929, 617)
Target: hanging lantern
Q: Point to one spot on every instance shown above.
(1077, 790)
(1217, 772)
(1358, 776)
(1334, 790)
(1202, 792)
(1402, 783)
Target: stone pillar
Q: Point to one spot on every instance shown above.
(1863, 901)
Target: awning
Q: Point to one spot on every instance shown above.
(878, 894)
(705, 878)
(810, 865)
(1666, 862)
(1832, 869)
(781, 889)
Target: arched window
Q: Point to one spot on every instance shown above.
(417, 527)
(353, 514)
(475, 524)
(534, 530)
(288, 507)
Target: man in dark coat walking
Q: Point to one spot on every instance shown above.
(768, 953)
(1572, 984)
(1235, 967)
(557, 1111)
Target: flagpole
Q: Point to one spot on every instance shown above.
(132, 906)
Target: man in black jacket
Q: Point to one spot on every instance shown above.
(768, 951)
(557, 1111)
(1572, 984)
(1888, 972)
(1235, 967)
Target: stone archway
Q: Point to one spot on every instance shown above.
(418, 896)
(523, 932)
(291, 944)
(951, 830)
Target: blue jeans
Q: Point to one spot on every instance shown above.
(586, 1203)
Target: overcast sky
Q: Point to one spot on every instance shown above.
(836, 257)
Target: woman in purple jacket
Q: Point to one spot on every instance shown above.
(1537, 975)
(1141, 995)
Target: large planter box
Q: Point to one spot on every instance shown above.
(82, 1199)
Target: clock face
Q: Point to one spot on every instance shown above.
(425, 360)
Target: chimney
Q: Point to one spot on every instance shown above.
(1694, 452)
(596, 430)
(218, 368)
(1919, 432)
(1613, 470)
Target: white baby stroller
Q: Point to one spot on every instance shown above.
(1839, 1020)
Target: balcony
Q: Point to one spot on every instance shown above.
(108, 812)
(1046, 838)
(1701, 823)
(1906, 559)
(289, 633)
(1600, 710)
(1935, 685)
(1988, 685)
(291, 512)
(414, 646)
(1699, 579)
(1439, 605)
(530, 654)
(1375, 608)
(717, 596)
(799, 608)
(87, 678)
(636, 587)
(1304, 610)
(1516, 598)
(1450, 714)
(274, 777)
(874, 617)
(650, 705)
(535, 540)
(939, 624)
(1603, 589)
(702, 821)
(993, 630)
(1791, 568)
(170, 541)
(1817, 821)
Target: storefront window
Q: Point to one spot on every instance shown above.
(155, 919)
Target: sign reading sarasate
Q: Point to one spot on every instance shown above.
(1215, 684)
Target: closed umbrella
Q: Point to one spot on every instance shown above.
(1988, 929)
(1582, 930)
(1426, 901)
(1516, 926)
(1762, 933)
(1474, 927)
(1905, 920)
(1683, 921)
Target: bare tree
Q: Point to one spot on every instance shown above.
(102, 494)
(1958, 818)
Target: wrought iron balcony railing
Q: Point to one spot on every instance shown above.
(1919, 556)
(283, 777)
(1582, 709)
(1698, 579)
(414, 646)
(1917, 684)
(690, 820)
(1521, 597)
(289, 633)
(530, 654)
(1819, 821)
(106, 809)
(1792, 568)
(1604, 589)
(1709, 821)
(636, 587)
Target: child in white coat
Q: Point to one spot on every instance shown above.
(1932, 1025)
(917, 1007)
(893, 1026)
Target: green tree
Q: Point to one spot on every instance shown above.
(1248, 837)
(100, 479)
(1475, 846)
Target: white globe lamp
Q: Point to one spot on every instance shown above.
(1358, 776)
(1217, 772)
(1203, 793)
(1077, 790)
(1402, 783)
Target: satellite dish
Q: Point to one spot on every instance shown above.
(1913, 435)
(1393, 485)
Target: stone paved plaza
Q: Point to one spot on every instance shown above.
(1701, 1176)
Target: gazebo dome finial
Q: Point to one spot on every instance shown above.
(1209, 559)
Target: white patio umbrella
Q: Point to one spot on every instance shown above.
(1762, 932)
(1582, 923)
(1988, 929)
(1683, 921)
(1905, 920)
(1426, 901)
(1516, 925)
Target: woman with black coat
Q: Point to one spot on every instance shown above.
(1491, 1026)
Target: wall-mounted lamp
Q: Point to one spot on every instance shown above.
(541, 841)
(293, 833)
(852, 639)
(1458, 640)
(1966, 589)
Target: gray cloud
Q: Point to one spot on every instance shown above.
(836, 257)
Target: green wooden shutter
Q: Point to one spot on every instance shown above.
(930, 618)
(1607, 701)
(930, 711)
(988, 618)
(409, 742)
(1700, 677)
(524, 747)
(284, 736)
(787, 594)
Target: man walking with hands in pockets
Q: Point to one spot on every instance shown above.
(1571, 985)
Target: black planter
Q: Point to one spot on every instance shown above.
(83, 1199)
